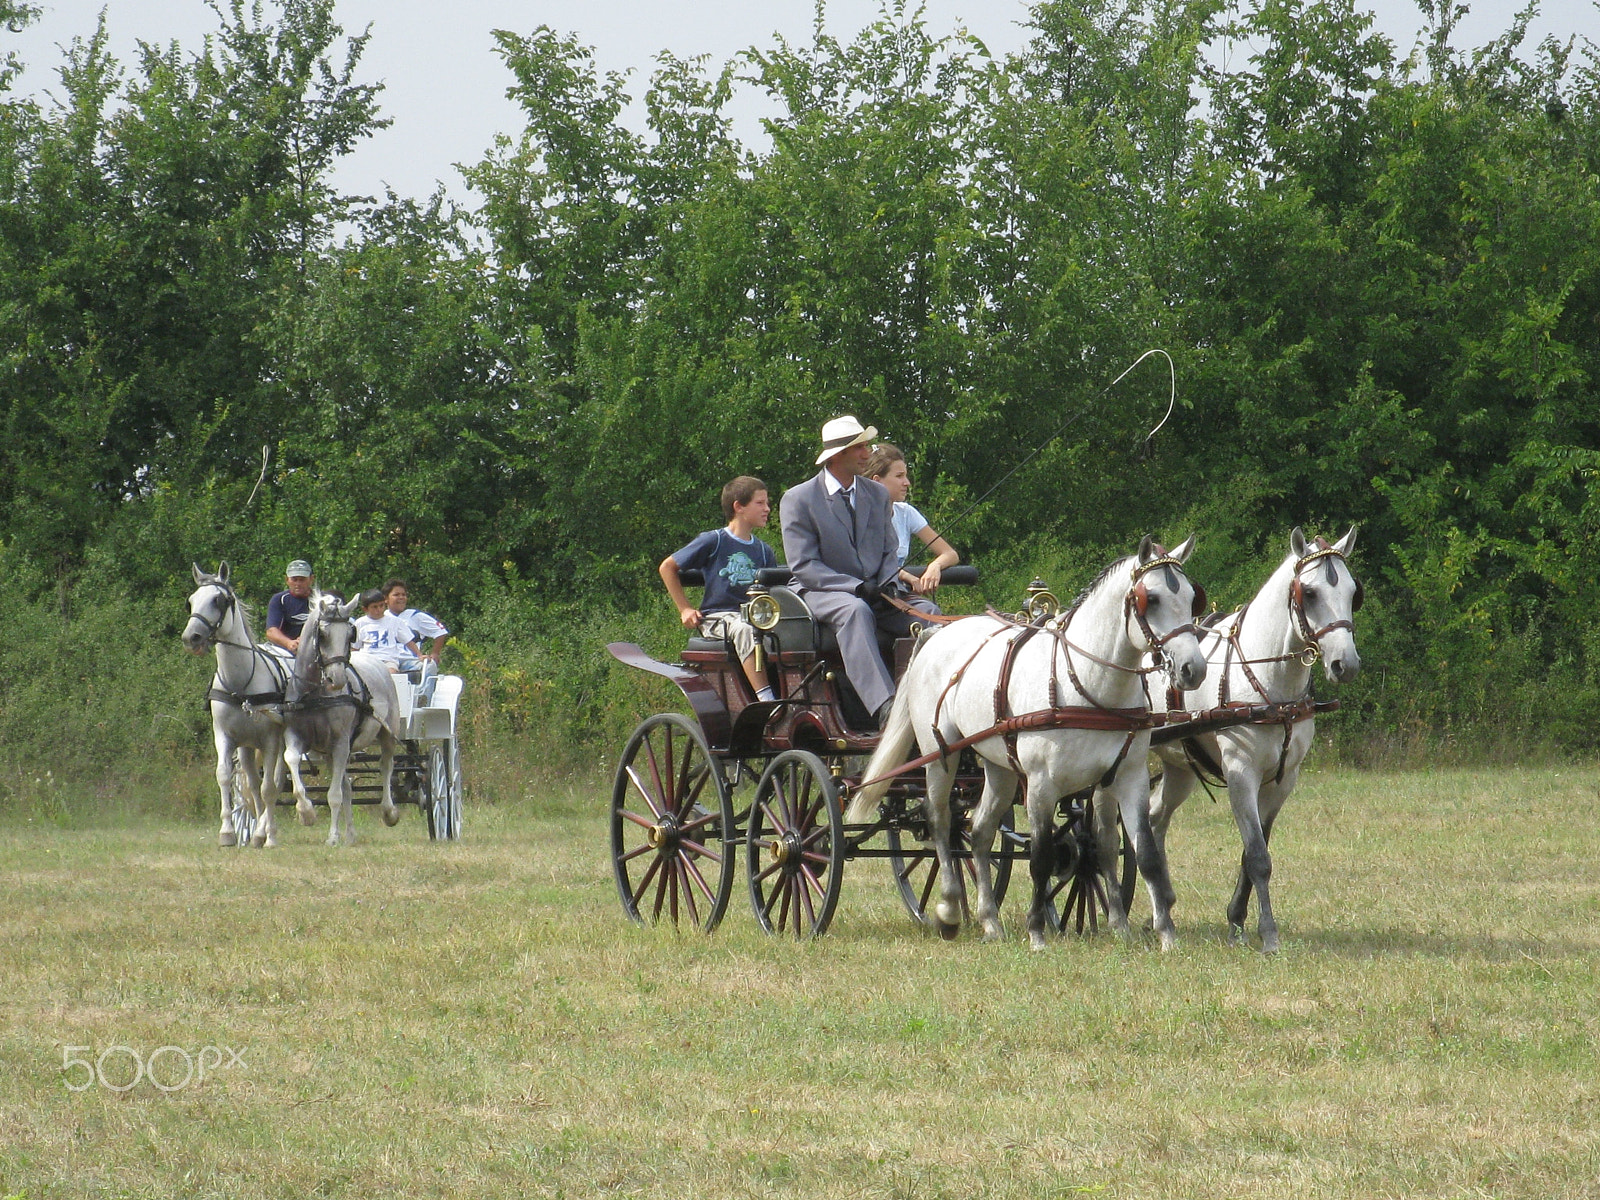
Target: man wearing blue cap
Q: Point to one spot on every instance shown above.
(287, 610)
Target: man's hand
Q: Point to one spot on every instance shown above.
(690, 616)
(868, 591)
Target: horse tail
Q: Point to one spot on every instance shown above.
(897, 738)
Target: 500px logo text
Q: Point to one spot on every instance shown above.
(168, 1068)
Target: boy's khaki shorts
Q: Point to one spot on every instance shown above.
(734, 627)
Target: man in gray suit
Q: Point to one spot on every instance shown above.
(839, 540)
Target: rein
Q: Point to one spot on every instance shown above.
(221, 690)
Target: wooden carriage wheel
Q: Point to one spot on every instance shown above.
(794, 846)
(671, 826)
(1078, 896)
(916, 870)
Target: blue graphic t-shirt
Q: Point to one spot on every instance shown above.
(730, 567)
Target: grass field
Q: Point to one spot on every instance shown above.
(478, 1020)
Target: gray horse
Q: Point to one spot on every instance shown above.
(248, 682)
(337, 702)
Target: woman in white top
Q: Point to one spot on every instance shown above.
(888, 466)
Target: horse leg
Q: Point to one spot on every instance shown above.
(1255, 864)
(267, 805)
(1131, 789)
(293, 751)
(1041, 861)
(936, 803)
(386, 745)
(225, 833)
(339, 786)
(999, 788)
(1269, 803)
(1177, 782)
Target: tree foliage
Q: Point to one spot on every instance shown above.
(1377, 275)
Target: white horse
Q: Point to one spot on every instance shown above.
(247, 679)
(338, 702)
(1079, 680)
(1264, 653)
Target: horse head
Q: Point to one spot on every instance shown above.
(1162, 605)
(327, 641)
(209, 606)
(1324, 597)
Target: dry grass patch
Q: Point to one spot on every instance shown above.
(478, 1019)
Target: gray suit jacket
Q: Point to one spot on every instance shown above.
(823, 550)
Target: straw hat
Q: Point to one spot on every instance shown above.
(840, 434)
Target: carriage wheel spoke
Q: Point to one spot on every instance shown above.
(666, 775)
(811, 879)
(672, 882)
(633, 854)
(642, 822)
(805, 895)
(661, 889)
(768, 870)
(698, 822)
(644, 884)
(691, 870)
(786, 888)
(812, 856)
(697, 848)
(688, 892)
(638, 783)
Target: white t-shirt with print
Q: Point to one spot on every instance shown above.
(385, 637)
(422, 624)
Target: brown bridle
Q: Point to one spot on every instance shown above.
(1297, 597)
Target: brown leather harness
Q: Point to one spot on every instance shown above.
(1288, 713)
(1094, 715)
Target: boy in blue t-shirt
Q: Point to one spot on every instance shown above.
(730, 558)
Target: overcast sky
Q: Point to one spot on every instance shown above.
(446, 86)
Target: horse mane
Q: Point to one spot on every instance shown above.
(307, 653)
(1094, 584)
(247, 615)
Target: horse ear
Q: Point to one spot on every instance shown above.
(222, 571)
(1184, 549)
(199, 575)
(1347, 543)
(1144, 548)
(346, 610)
(1297, 542)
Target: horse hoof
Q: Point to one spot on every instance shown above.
(1236, 935)
(307, 815)
(227, 837)
(391, 815)
(1036, 942)
(270, 844)
(994, 933)
(258, 840)
(947, 931)
(1269, 945)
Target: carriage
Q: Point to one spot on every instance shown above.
(773, 777)
(427, 771)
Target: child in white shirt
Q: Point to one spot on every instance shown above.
(385, 636)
